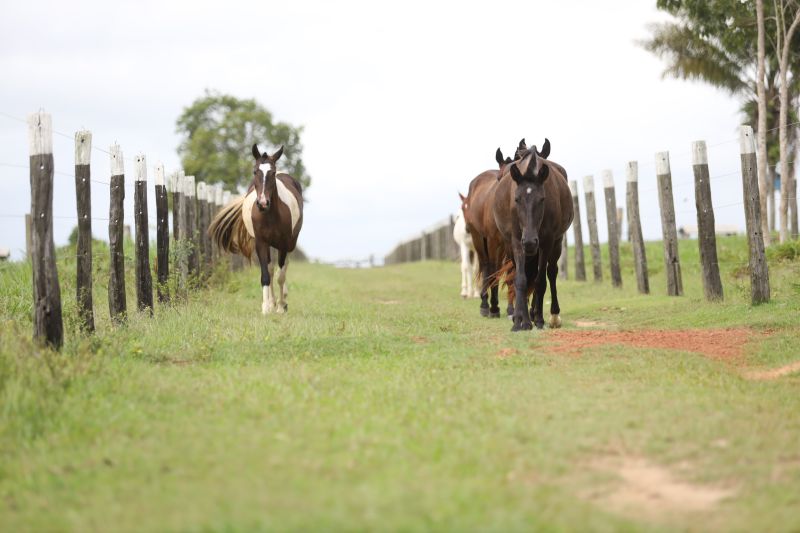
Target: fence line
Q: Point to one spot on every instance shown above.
(415, 250)
(193, 242)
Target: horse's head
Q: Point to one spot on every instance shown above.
(502, 162)
(530, 173)
(264, 176)
(523, 147)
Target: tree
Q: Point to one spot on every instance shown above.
(218, 131)
(783, 38)
(761, 98)
(716, 42)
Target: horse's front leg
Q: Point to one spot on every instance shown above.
(522, 319)
(552, 276)
(283, 291)
(267, 303)
(540, 285)
(466, 282)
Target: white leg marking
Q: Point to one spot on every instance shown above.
(283, 291)
(265, 300)
(555, 321)
(269, 290)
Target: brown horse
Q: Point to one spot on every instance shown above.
(269, 217)
(477, 209)
(533, 213)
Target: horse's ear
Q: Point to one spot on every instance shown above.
(277, 155)
(256, 153)
(522, 146)
(462, 197)
(516, 175)
(498, 156)
(544, 171)
(545, 153)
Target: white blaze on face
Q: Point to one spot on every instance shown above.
(264, 168)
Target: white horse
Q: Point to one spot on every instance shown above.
(469, 259)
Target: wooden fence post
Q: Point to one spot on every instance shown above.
(83, 198)
(613, 229)
(182, 250)
(580, 267)
(759, 272)
(202, 191)
(591, 218)
(144, 278)
(191, 227)
(117, 305)
(620, 218)
(706, 233)
(162, 236)
(48, 325)
(793, 207)
(635, 228)
(672, 264)
(564, 259)
(176, 188)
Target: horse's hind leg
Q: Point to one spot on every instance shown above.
(552, 276)
(466, 282)
(283, 291)
(267, 301)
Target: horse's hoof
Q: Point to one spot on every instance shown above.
(485, 312)
(539, 325)
(463, 296)
(494, 314)
(555, 321)
(524, 326)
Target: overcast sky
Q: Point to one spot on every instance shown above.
(403, 103)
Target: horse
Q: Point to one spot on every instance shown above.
(532, 214)
(476, 208)
(469, 259)
(268, 218)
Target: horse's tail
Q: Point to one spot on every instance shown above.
(229, 232)
(504, 273)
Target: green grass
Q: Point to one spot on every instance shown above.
(379, 402)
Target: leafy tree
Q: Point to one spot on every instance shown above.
(716, 42)
(218, 131)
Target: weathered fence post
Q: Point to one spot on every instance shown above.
(206, 220)
(117, 305)
(182, 246)
(162, 236)
(620, 218)
(83, 198)
(218, 205)
(423, 247)
(635, 228)
(176, 188)
(759, 272)
(580, 267)
(48, 326)
(144, 278)
(191, 227)
(706, 233)
(672, 264)
(793, 207)
(591, 219)
(202, 190)
(613, 228)
(564, 259)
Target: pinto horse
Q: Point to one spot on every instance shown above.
(533, 210)
(268, 218)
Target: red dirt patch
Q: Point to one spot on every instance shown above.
(506, 353)
(714, 343)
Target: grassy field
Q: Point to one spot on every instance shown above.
(382, 401)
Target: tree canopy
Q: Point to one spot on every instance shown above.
(218, 131)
